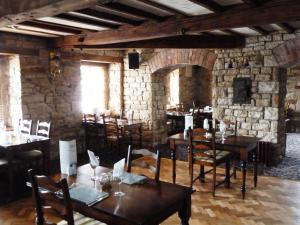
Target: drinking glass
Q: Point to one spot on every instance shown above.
(103, 180)
(94, 164)
(119, 179)
(223, 130)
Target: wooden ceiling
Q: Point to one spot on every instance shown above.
(149, 23)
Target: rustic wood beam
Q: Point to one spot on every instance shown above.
(252, 2)
(91, 57)
(132, 11)
(163, 7)
(51, 26)
(231, 32)
(20, 11)
(260, 30)
(108, 16)
(271, 12)
(182, 41)
(20, 51)
(288, 28)
(211, 5)
(78, 19)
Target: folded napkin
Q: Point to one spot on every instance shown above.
(93, 159)
(87, 195)
(130, 178)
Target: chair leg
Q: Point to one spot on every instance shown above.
(214, 181)
(191, 175)
(202, 174)
(227, 173)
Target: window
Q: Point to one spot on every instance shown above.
(92, 88)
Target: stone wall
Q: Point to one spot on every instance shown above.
(46, 98)
(293, 93)
(264, 117)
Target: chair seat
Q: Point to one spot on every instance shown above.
(29, 155)
(220, 155)
(82, 220)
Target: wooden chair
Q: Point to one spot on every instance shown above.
(25, 126)
(94, 137)
(144, 161)
(43, 128)
(7, 170)
(203, 152)
(112, 132)
(31, 158)
(44, 195)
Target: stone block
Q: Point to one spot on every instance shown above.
(271, 113)
(268, 87)
(240, 113)
(246, 126)
(262, 102)
(255, 114)
(261, 126)
(270, 61)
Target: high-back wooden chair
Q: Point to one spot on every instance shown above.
(25, 126)
(43, 128)
(112, 132)
(203, 152)
(145, 161)
(44, 193)
(90, 118)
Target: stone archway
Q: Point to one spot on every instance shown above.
(288, 53)
(163, 62)
(172, 57)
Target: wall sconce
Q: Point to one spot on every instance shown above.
(55, 63)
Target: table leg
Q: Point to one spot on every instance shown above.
(244, 171)
(255, 166)
(173, 157)
(46, 157)
(185, 211)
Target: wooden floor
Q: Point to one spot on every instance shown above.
(274, 201)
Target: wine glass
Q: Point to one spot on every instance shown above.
(223, 130)
(94, 164)
(119, 179)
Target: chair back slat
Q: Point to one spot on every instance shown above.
(144, 164)
(25, 126)
(43, 128)
(89, 118)
(44, 192)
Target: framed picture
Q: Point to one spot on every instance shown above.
(242, 90)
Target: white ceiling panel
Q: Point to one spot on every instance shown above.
(71, 23)
(185, 6)
(245, 31)
(103, 9)
(92, 17)
(30, 28)
(16, 30)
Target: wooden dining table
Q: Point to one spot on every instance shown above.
(241, 145)
(149, 203)
(11, 144)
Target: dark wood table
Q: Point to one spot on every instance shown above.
(11, 144)
(149, 203)
(241, 145)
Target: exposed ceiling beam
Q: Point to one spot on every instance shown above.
(51, 26)
(271, 12)
(91, 57)
(25, 10)
(252, 2)
(108, 16)
(132, 11)
(88, 21)
(182, 41)
(260, 30)
(285, 26)
(211, 5)
(163, 7)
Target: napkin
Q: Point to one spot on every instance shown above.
(87, 195)
(93, 158)
(188, 119)
(130, 178)
(119, 168)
